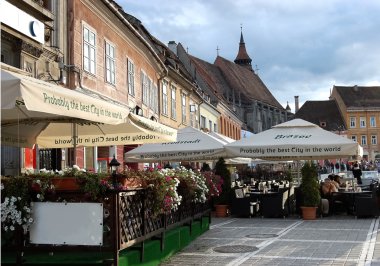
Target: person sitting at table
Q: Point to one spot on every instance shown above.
(337, 181)
(328, 187)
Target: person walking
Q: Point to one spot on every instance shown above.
(357, 172)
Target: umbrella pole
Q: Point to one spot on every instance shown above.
(75, 136)
(298, 172)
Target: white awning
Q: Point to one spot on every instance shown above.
(24, 97)
(37, 112)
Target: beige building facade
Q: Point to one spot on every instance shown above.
(360, 107)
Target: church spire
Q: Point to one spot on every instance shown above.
(242, 57)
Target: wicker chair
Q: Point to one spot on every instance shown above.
(366, 204)
(275, 205)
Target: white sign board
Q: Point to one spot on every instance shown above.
(58, 223)
(22, 21)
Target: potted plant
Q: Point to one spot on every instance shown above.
(310, 191)
(222, 202)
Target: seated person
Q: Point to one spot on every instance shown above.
(337, 181)
(332, 180)
(328, 187)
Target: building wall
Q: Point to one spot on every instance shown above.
(208, 114)
(167, 117)
(229, 124)
(358, 132)
(370, 150)
(108, 28)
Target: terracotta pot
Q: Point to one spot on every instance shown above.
(65, 183)
(131, 182)
(309, 213)
(221, 210)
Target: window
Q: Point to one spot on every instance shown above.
(215, 128)
(173, 102)
(364, 140)
(183, 108)
(148, 90)
(362, 122)
(210, 125)
(131, 78)
(354, 138)
(145, 88)
(110, 63)
(372, 121)
(203, 121)
(373, 139)
(89, 48)
(155, 98)
(352, 122)
(165, 97)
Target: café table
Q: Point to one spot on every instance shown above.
(349, 198)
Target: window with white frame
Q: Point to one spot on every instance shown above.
(110, 63)
(183, 107)
(352, 122)
(354, 138)
(374, 140)
(145, 88)
(165, 97)
(364, 140)
(372, 121)
(203, 121)
(89, 50)
(362, 122)
(173, 102)
(131, 77)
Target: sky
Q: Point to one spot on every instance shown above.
(298, 47)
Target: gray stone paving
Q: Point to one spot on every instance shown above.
(340, 240)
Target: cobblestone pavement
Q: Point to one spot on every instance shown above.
(291, 241)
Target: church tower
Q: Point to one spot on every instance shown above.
(242, 57)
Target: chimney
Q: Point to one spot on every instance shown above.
(297, 105)
(173, 47)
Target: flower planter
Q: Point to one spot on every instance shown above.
(221, 210)
(309, 213)
(65, 184)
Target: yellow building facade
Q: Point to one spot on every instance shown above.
(360, 107)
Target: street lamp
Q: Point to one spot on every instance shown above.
(114, 164)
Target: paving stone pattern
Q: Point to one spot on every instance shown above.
(291, 241)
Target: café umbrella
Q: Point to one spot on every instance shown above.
(295, 140)
(191, 145)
